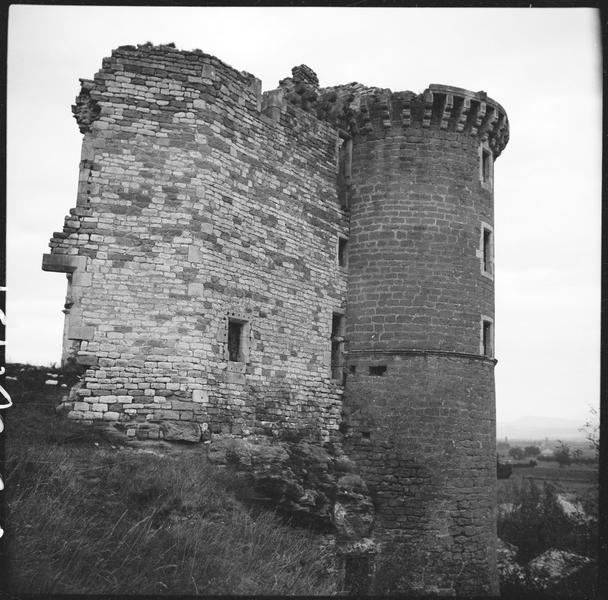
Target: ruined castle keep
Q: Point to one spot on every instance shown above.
(316, 261)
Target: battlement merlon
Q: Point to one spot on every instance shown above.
(361, 110)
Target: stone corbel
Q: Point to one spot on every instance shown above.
(74, 266)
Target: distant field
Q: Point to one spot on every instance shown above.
(552, 470)
(581, 480)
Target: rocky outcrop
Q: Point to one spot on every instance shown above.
(572, 508)
(353, 512)
(509, 570)
(544, 573)
(311, 484)
(553, 566)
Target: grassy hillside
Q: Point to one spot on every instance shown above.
(89, 515)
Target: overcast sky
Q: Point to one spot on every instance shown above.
(542, 65)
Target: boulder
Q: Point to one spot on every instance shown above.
(572, 508)
(551, 567)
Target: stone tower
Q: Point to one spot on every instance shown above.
(419, 393)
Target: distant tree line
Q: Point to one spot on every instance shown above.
(518, 453)
(563, 454)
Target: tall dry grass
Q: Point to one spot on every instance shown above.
(86, 518)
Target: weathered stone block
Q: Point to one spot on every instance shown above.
(195, 289)
(87, 359)
(200, 396)
(184, 431)
(81, 278)
(232, 377)
(81, 332)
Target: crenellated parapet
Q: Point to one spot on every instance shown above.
(439, 107)
(358, 110)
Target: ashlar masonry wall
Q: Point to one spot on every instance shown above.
(201, 234)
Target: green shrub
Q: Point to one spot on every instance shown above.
(503, 470)
(538, 523)
(517, 453)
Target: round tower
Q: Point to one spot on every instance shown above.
(419, 395)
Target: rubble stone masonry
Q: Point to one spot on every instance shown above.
(305, 261)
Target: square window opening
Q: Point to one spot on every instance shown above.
(377, 370)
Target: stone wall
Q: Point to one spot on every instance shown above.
(196, 209)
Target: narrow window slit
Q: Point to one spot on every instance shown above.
(337, 347)
(486, 166)
(342, 243)
(487, 250)
(235, 335)
(487, 341)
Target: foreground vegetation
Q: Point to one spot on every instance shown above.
(538, 522)
(89, 516)
(533, 521)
